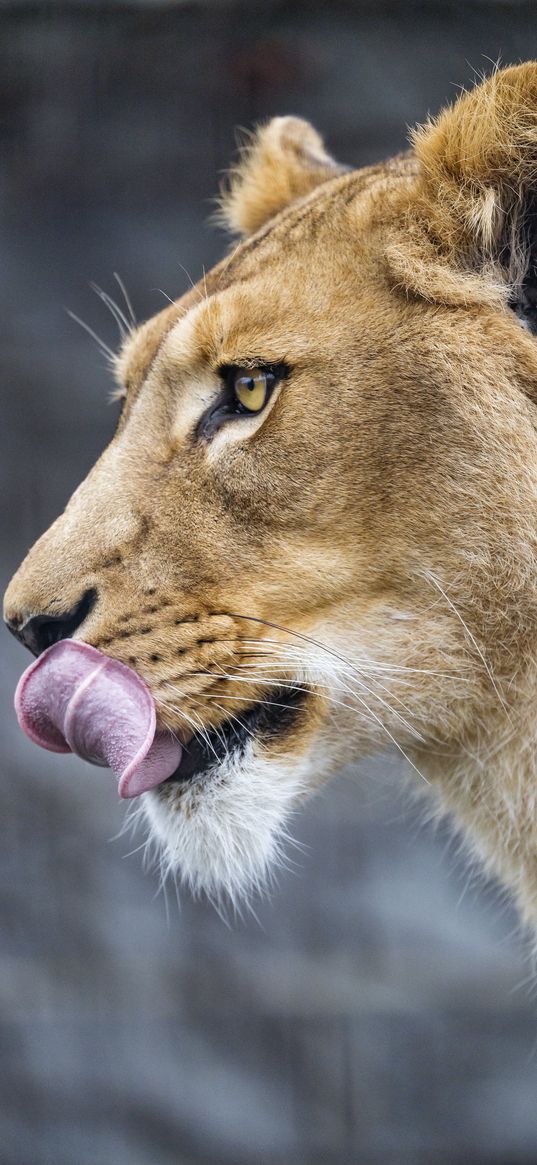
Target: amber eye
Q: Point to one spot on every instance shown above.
(251, 387)
(246, 392)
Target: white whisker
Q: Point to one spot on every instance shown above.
(104, 349)
(124, 325)
(127, 299)
(427, 574)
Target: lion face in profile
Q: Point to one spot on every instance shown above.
(314, 532)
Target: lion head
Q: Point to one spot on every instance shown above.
(314, 531)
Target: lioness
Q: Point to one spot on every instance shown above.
(315, 530)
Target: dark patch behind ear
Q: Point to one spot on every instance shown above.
(523, 295)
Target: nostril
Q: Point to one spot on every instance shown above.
(41, 631)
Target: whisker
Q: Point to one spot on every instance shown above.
(282, 662)
(192, 719)
(126, 297)
(360, 699)
(165, 294)
(433, 579)
(296, 685)
(368, 665)
(368, 715)
(190, 279)
(365, 687)
(273, 704)
(105, 350)
(125, 328)
(231, 716)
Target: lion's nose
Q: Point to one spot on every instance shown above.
(40, 631)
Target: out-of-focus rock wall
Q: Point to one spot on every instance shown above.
(374, 1012)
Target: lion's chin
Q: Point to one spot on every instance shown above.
(220, 821)
(223, 832)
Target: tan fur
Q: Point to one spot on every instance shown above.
(285, 160)
(384, 506)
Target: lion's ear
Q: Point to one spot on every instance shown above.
(477, 190)
(285, 160)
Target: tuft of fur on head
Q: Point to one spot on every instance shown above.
(478, 161)
(284, 160)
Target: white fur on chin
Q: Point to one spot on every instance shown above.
(224, 831)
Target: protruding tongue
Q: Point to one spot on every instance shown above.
(75, 699)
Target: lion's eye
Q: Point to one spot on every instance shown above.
(251, 387)
(246, 392)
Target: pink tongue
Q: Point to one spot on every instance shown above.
(75, 699)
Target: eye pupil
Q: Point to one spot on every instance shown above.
(251, 388)
(246, 390)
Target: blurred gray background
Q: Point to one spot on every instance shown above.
(380, 1008)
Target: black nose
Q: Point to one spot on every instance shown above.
(41, 631)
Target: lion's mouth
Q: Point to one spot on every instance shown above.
(75, 699)
(267, 719)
